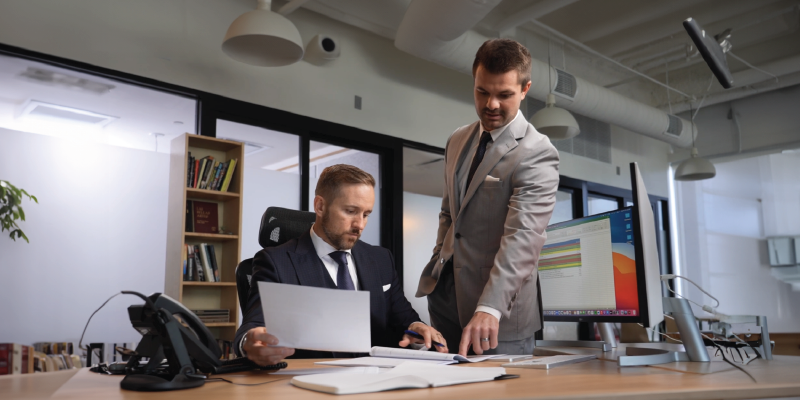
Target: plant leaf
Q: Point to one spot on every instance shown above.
(34, 199)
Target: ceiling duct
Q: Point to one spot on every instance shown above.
(565, 85)
(440, 31)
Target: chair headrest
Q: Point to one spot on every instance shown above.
(280, 225)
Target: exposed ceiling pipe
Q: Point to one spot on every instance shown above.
(609, 59)
(648, 33)
(440, 31)
(535, 11)
(291, 6)
(749, 82)
(630, 19)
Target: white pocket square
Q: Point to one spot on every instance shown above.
(386, 287)
(490, 178)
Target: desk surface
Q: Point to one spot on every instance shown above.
(593, 379)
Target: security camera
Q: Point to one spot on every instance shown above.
(322, 49)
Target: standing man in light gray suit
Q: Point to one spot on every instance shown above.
(501, 177)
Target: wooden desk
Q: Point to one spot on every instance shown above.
(593, 379)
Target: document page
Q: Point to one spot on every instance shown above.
(314, 318)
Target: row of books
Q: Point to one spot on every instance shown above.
(200, 263)
(16, 359)
(213, 316)
(206, 173)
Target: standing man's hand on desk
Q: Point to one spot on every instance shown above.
(429, 335)
(480, 327)
(261, 347)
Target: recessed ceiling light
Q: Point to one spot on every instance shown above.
(35, 109)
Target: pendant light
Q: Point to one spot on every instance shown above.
(263, 38)
(695, 168)
(557, 123)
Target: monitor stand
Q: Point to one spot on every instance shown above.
(608, 341)
(690, 336)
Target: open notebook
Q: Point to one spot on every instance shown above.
(388, 357)
(408, 375)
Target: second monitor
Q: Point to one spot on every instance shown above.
(589, 270)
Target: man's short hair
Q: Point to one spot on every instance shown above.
(335, 176)
(499, 56)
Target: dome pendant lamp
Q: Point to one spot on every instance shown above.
(557, 123)
(263, 38)
(695, 168)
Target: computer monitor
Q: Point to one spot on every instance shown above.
(604, 267)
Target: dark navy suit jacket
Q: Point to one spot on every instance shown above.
(296, 263)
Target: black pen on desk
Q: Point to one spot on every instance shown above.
(418, 336)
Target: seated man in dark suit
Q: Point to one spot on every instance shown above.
(331, 256)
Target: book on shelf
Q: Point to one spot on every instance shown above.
(189, 217)
(208, 174)
(221, 176)
(204, 216)
(199, 273)
(228, 175)
(212, 258)
(190, 170)
(213, 316)
(16, 358)
(194, 173)
(199, 181)
(208, 272)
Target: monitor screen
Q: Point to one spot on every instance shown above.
(588, 269)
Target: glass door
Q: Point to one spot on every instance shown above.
(323, 155)
(271, 175)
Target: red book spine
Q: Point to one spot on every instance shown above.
(5, 358)
(196, 167)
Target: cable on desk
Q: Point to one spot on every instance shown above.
(722, 353)
(243, 384)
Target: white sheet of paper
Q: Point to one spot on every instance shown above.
(328, 370)
(383, 362)
(315, 318)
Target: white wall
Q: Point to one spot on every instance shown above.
(725, 221)
(100, 227)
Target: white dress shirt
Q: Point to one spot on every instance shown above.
(324, 250)
(462, 181)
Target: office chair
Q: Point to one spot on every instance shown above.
(278, 226)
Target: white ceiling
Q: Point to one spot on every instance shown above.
(644, 35)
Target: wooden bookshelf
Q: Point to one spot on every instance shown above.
(205, 295)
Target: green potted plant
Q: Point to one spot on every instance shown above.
(11, 211)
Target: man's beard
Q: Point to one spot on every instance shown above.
(339, 240)
(486, 123)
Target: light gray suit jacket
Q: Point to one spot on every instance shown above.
(495, 234)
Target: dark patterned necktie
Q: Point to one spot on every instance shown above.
(485, 138)
(343, 279)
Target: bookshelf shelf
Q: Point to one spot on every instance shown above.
(203, 295)
(212, 284)
(220, 324)
(210, 236)
(205, 194)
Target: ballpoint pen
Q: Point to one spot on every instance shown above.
(418, 336)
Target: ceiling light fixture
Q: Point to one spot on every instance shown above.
(42, 111)
(557, 123)
(263, 38)
(695, 168)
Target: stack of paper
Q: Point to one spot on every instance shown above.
(388, 357)
(409, 374)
